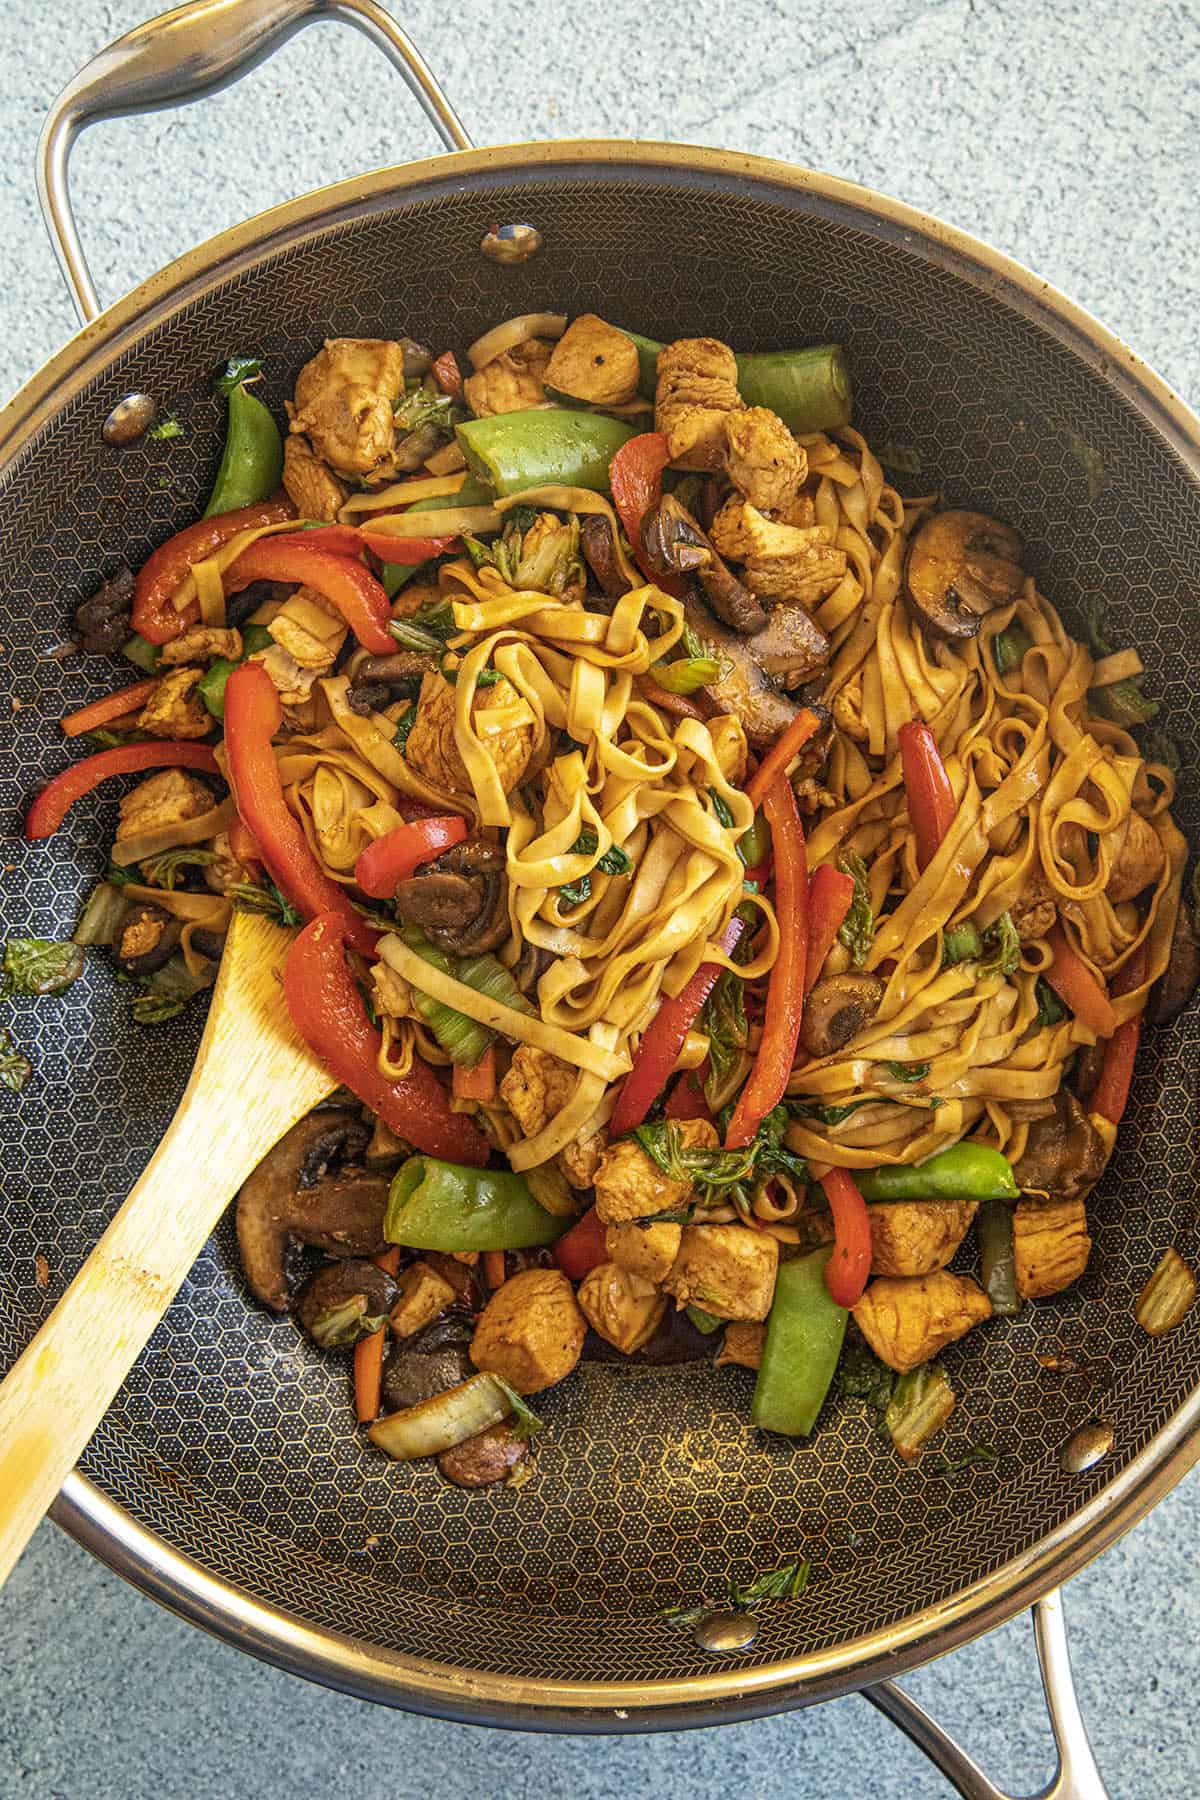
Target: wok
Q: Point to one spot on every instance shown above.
(229, 1480)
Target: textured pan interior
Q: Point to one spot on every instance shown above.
(234, 1440)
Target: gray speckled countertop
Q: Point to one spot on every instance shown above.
(1066, 134)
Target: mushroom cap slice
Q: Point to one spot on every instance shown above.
(960, 566)
(837, 1009)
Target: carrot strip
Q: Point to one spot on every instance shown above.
(129, 699)
(781, 753)
(493, 1268)
(478, 1083)
(1077, 987)
(368, 1353)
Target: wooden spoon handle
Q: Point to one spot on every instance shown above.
(252, 1080)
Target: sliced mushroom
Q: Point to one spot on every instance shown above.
(344, 1140)
(837, 1008)
(530, 966)
(102, 621)
(428, 1363)
(745, 689)
(1179, 980)
(1064, 1154)
(460, 899)
(342, 1216)
(378, 680)
(674, 544)
(487, 1457)
(596, 542)
(345, 1301)
(417, 358)
(149, 938)
(415, 446)
(791, 645)
(960, 566)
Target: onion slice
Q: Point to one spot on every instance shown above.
(1167, 1297)
(439, 1424)
(512, 332)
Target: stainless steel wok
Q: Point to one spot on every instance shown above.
(229, 1480)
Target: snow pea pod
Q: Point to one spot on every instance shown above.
(436, 1205)
(253, 459)
(805, 1329)
(543, 447)
(809, 388)
(963, 1172)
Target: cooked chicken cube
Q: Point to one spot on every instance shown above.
(391, 993)
(310, 629)
(696, 391)
(314, 490)
(763, 459)
(629, 1185)
(621, 1306)
(729, 1270)
(594, 361)
(202, 643)
(782, 562)
(512, 382)
(1051, 1245)
(225, 871)
(423, 1295)
(1139, 863)
(915, 1237)
(645, 1250)
(169, 798)
(433, 750)
(1035, 911)
(535, 1089)
(531, 1331)
(173, 711)
(344, 403)
(743, 1345)
(801, 512)
(906, 1321)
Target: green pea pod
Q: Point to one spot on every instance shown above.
(963, 1172)
(647, 349)
(436, 1205)
(253, 459)
(803, 1342)
(546, 446)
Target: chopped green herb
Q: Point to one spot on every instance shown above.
(857, 930)
(150, 1008)
(428, 630)
(574, 893)
(721, 807)
(825, 1115)
(420, 408)
(615, 861)
(104, 738)
(787, 1582)
(527, 1422)
(861, 1375)
(487, 677)
(164, 871)
(1050, 1009)
(688, 674)
(166, 429)
(1009, 647)
(961, 943)
(1002, 947)
(723, 1018)
(40, 966)
(907, 1072)
(404, 725)
(723, 1177)
(973, 1454)
(264, 897)
(238, 371)
(118, 874)
(1123, 702)
(15, 1069)
(905, 459)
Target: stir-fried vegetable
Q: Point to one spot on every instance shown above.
(40, 966)
(154, 618)
(850, 1263)
(809, 388)
(830, 895)
(805, 1329)
(347, 585)
(1167, 1297)
(449, 1418)
(59, 795)
(436, 1205)
(998, 1257)
(385, 863)
(930, 795)
(513, 451)
(211, 686)
(1077, 987)
(252, 460)
(921, 1403)
(961, 1172)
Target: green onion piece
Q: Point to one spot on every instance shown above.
(921, 1403)
(143, 654)
(857, 930)
(754, 846)
(688, 675)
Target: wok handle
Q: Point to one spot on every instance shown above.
(1075, 1777)
(183, 55)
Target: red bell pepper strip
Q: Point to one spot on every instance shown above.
(931, 806)
(663, 1038)
(59, 796)
(327, 1010)
(100, 712)
(448, 375)
(1077, 987)
(252, 717)
(780, 754)
(1111, 1095)
(583, 1248)
(686, 1099)
(352, 540)
(829, 896)
(393, 857)
(785, 991)
(635, 476)
(848, 1267)
(153, 615)
(346, 584)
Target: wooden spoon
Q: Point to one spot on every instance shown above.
(252, 1081)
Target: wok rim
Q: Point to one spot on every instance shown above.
(424, 1685)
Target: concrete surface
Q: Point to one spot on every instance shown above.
(1065, 133)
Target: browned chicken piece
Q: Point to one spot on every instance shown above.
(487, 1457)
(201, 643)
(696, 391)
(729, 1270)
(1035, 912)
(645, 1250)
(915, 1237)
(314, 490)
(225, 871)
(801, 512)
(535, 1090)
(622, 1307)
(513, 382)
(593, 361)
(433, 750)
(169, 798)
(343, 404)
(630, 1186)
(173, 711)
(1051, 1245)
(531, 1331)
(310, 629)
(763, 460)
(742, 1345)
(1139, 863)
(423, 1295)
(906, 1321)
(782, 562)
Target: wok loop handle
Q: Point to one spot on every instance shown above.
(1076, 1776)
(184, 55)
